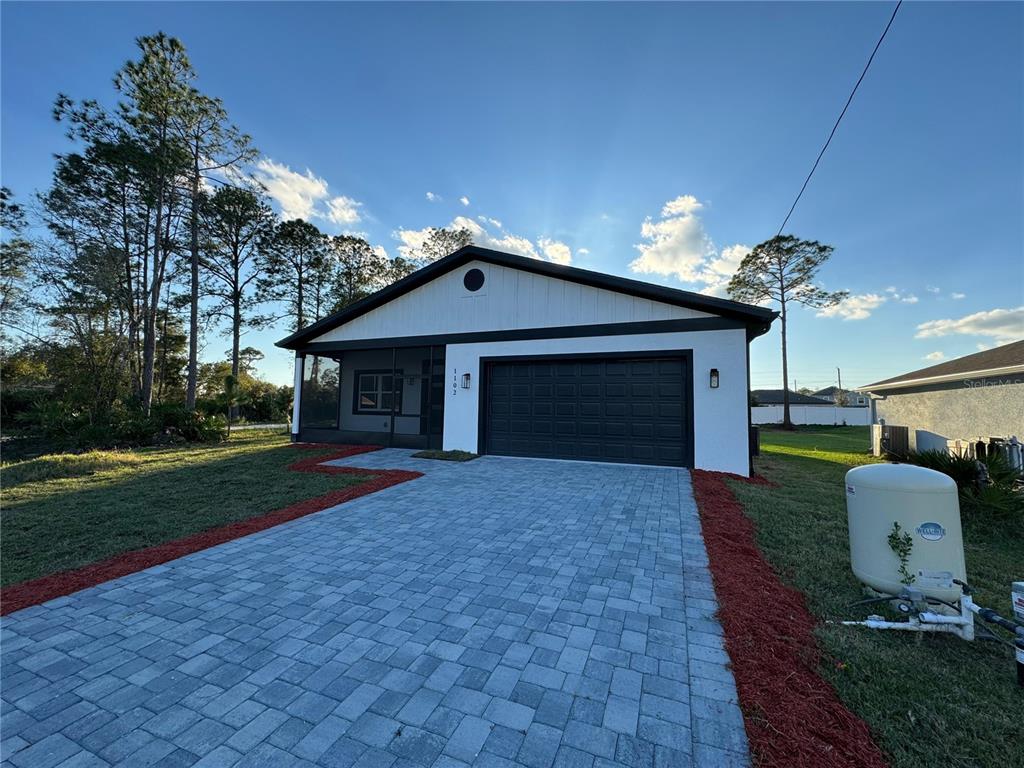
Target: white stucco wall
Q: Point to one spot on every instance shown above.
(719, 415)
(509, 299)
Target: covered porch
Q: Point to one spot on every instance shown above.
(390, 396)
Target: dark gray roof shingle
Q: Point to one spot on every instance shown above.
(999, 357)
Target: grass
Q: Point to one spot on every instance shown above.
(929, 700)
(446, 455)
(64, 511)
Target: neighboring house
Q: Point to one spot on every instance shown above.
(774, 397)
(977, 396)
(492, 353)
(849, 398)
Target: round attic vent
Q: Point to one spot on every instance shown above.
(473, 280)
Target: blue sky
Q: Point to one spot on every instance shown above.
(652, 141)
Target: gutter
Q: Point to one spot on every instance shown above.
(905, 383)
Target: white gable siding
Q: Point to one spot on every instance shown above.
(510, 299)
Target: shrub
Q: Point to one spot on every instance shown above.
(68, 428)
(1002, 501)
(191, 426)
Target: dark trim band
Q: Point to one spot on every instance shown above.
(522, 334)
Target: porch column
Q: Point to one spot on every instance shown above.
(297, 395)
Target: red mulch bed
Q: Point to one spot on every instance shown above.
(35, 591)
(793, 717)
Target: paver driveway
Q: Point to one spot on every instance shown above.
(501, 612)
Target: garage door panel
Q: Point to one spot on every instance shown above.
(615, 391)
(620, 410)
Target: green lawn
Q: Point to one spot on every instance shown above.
(62, 512)
(929, 700)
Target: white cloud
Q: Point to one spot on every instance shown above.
(305, 195)
(1000, 324)
(677, 246)
(555, 251)
(582, 251)
(544, 248)
(933, 289)
(909, 299)
(489, 220)
(856, 307)
(957, 296)
(432, 197)
(891, 289)
(681, 206)
(343, 210)
(464, 200)
(296, 193)
(935, 356)
(982, 346)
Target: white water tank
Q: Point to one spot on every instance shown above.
(925, 504)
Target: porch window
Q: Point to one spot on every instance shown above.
(378, 392)
(319, 407)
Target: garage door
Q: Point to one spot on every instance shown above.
(624, 410)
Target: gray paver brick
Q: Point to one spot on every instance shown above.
(468, 739)
(528, 613)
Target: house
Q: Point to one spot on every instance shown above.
(977, 396)
(849, 398)
(774, 397)
(493, 353)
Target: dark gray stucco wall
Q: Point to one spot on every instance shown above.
(963, 409)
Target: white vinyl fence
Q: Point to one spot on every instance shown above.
(812, 414)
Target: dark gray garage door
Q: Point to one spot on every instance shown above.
(595, 409)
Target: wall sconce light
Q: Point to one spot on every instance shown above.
(714, 378)
(465, 381)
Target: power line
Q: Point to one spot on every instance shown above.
(840, 118)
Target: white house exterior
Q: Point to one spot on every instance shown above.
(489, 352)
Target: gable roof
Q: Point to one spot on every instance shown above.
(1008, 358)
(757, 319)
(774, 397)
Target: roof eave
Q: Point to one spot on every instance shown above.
(926, 380)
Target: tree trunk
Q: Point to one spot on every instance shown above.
(786, 422)
(193, 312)
(236, 334)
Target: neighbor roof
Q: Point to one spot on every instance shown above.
(758, 319)
(774, 397)
(1008, 358)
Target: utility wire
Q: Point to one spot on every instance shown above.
(840, 118)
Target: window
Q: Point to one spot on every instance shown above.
(377, 392)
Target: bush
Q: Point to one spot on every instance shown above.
(68, 428)
(191, 426)
(1002, 501)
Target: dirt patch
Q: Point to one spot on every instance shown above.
(793, 717)
(27, 593)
